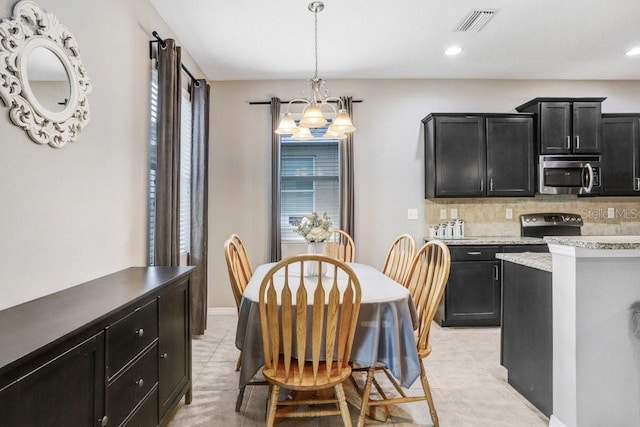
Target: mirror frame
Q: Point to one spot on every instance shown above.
(29, 28)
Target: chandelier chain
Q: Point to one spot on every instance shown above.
(315, 14)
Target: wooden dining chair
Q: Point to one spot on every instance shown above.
(240, 273)
(308, 324)
(340, 246)
(426, 281)
(398, 260)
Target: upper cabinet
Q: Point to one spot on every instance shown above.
(621, 154)
(567, 125)
(476, 155)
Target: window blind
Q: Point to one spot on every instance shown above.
(309, 181)
(153, 163)
(185, 174)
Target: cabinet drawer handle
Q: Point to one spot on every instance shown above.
(474, 253)
(577, 141)
(481, 185)
(636, 185)
(496, 273)
(103, 421)
(140, 383)
(568, 141)
(140, 332)
(164, 356)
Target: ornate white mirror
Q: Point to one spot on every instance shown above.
(42, 79)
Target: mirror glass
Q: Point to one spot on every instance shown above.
(48, 79)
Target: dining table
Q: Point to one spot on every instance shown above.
(384, 333)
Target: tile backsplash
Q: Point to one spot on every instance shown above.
(487, 217)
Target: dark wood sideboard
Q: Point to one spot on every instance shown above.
(113, 351)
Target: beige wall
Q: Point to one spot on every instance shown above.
(77, 213)
(388, 156)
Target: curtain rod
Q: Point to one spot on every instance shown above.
(159, 40)
(356, 101)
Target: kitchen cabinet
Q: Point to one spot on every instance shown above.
(620, 155)
(477, 155)
(567, 125)
(473, 296)
(100, 353)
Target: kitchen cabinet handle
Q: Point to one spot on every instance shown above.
(474, 253)
(491, 184)
(496, 273)
(568, 141)
(577, 141)
(481, 185)
(636, 185)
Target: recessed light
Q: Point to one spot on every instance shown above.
(633, 52)
(453, 50)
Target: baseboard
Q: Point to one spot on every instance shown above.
(222, 310)
(555, 422)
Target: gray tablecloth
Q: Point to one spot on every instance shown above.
(384, 334)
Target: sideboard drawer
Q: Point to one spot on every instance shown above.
(130, 335)
(128, 389)
(147, 414)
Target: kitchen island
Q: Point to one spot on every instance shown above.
(526, 349)
(596, 355)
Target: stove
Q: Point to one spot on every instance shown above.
(550, 224)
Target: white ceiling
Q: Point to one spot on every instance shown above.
(527, 39)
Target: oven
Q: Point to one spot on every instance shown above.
(569, 174)
(550, 224)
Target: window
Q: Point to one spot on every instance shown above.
(309, 181)
(185, 171)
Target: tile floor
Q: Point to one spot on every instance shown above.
(468, 384)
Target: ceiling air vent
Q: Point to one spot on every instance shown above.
(475, 20)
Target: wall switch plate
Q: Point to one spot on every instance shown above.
(412, 213)
(443, 214)
(454, 213)
(508, 213)
(611, 213)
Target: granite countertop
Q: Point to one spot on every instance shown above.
(539, 260)
(491, 240)
(597, 242)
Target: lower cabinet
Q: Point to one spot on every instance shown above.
(132, 370)
(473, 295)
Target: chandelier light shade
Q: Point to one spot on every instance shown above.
(313, 115)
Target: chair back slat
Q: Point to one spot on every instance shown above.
(286, 317)
(324, 328)
(426, 281)
(399, 258)
(243, 253)
(238, 267)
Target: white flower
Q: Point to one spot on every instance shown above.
(315, 228)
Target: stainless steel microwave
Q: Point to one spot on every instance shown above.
(569, 174)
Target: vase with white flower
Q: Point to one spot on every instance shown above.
(315, 229)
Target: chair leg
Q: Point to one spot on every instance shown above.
(273, 403)
(239, 362)
(427, 393)
(365, 395)
(239, 399)
(344, 408)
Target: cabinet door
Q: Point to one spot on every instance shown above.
(472, 295)
(620, 156)
(555, 127)
(65, 390)
(174, 344)
(587, 127)
(510, 156)
(460, 156)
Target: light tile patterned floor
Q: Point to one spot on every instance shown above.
(468, 384)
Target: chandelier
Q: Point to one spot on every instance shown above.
(313, 115)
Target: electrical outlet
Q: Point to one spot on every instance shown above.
(443, 214)
(454, 213)
(508, 213)
(611, 213)
(412, 213)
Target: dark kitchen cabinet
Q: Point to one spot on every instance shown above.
(510, 156)
(620, 155)
(108, 360)
(477, 155)
(567, 125)
(473, 296)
